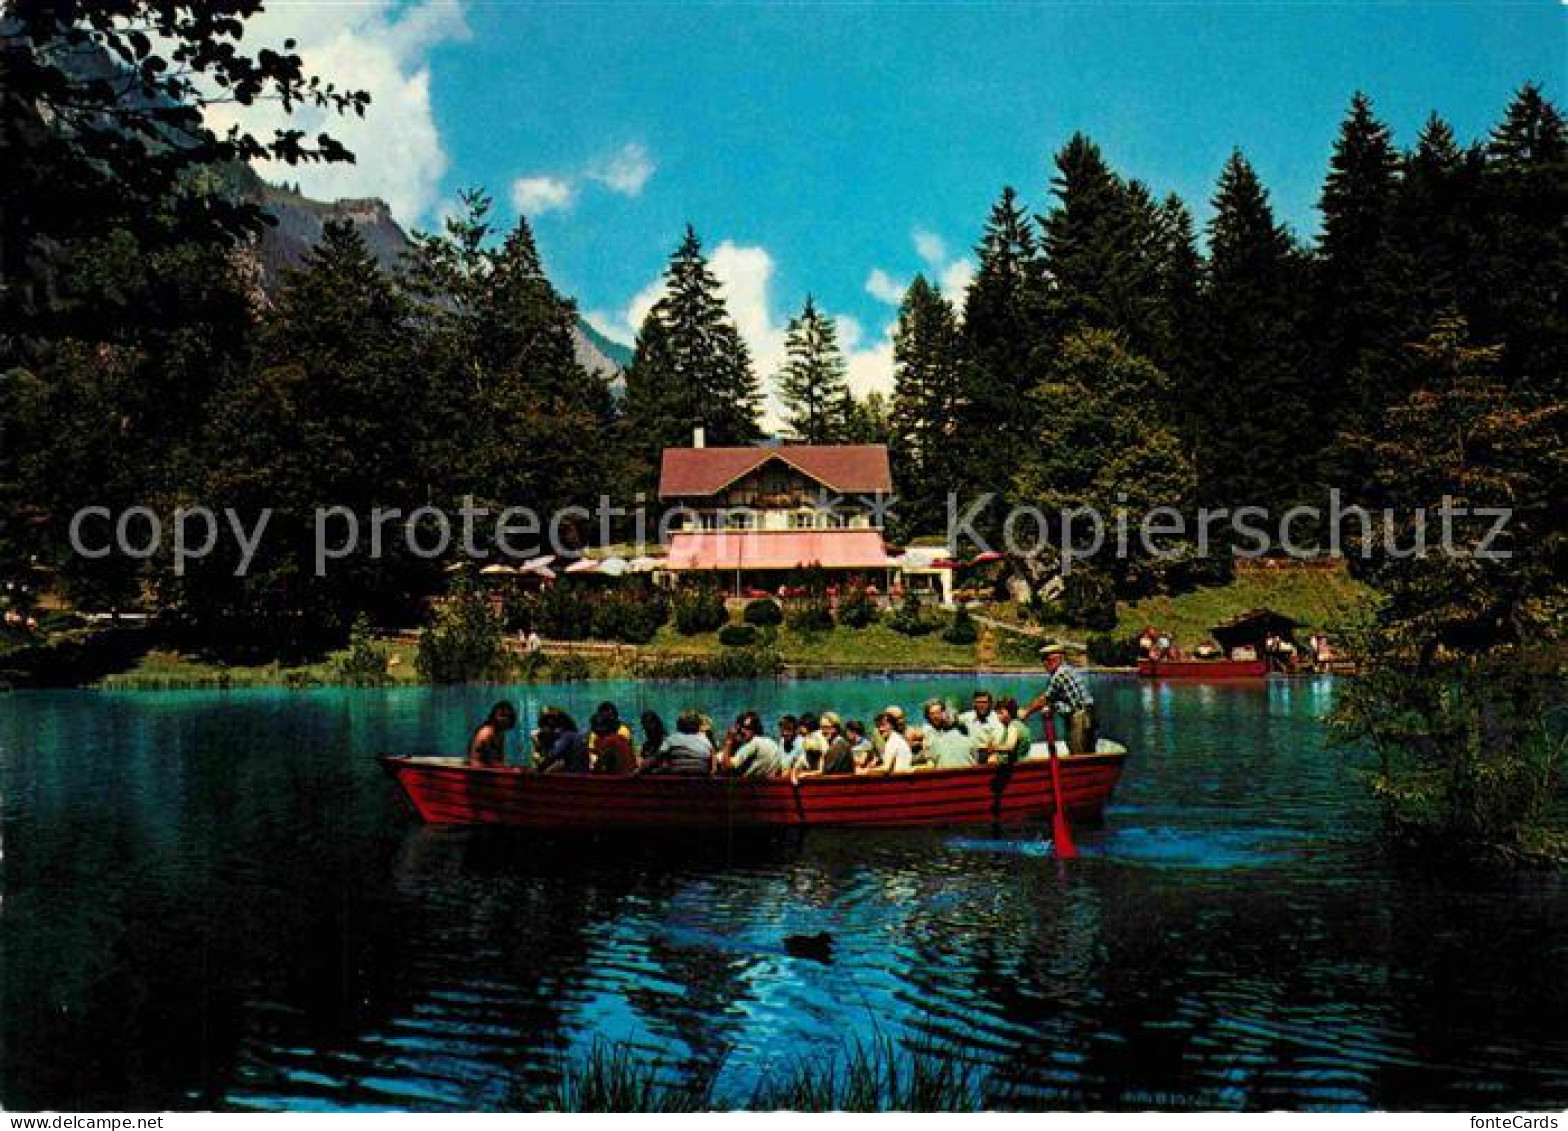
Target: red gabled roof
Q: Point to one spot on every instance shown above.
(845, 468)
(794, 549)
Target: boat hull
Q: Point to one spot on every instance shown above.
(1203, 669)
(449, 792)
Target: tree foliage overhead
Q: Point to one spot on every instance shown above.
(103, 121)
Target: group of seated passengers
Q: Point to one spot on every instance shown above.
(809, 745)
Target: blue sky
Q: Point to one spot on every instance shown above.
(839, 148)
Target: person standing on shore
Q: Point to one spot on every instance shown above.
(1066, 694)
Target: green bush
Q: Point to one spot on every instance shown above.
(962, 630)
(738, 635)
(762, 612)
(856, 609)
(1113, 651)
(568, 668)
(465, 644)
(740, 663)
(813, 614)
(627, 612)
(630, 616)
(909, 618)
(1089, 600)
(557, 612)
(564, 667)
(699, 610)
(365, 662)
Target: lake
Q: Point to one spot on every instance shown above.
(218, 900)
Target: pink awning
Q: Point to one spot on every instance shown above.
(794, 549)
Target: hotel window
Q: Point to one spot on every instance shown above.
(740, 520)
(803, 520)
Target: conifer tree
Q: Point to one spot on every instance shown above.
(928, 376)
(514, 416)
(1177, 354)
(1435, 220)
(869, 419)
(1101, 250)
(1523, 271)
(331, 415)
(694, 370)
(1001, 330)
(812, 382)
(1252, 439)
(1361, 313)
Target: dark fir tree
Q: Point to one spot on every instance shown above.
(1255, 439)
(1361, 313)
(550, 415)
(927, 383)
(1522, 299)
(1436, 222)
(1100, 249)
(1002, 311)
(812, 384)
(1177, 354)
(331, 415)
(693, 370)
(514, 417)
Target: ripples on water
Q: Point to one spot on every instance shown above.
(216, 900)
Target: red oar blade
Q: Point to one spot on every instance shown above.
(1061, 831)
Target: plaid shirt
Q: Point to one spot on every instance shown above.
(1066, 691)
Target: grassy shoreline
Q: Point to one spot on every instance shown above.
(1317, 599)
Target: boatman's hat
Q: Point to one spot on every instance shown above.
(1053, 650)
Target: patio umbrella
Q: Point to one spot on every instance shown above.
(614, 566)
(643, 564)
(499, 571)
(583, 565)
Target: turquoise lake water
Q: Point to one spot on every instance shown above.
(217, 900)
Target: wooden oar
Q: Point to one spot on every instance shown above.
(1061, 832)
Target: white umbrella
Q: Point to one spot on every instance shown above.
(533, 564)
(583, 565)
(499, 571)
(614, 567)
(644, 564)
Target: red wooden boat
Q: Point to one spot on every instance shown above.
(1203, 669)
(1249, 630)
(448, 791)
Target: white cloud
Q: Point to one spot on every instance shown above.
(625, 171)
(930, 247)
(954, 280)
(377, 45)
(534, 196)
(869, 365)
(883, 287)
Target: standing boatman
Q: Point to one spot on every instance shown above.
(1066, 694)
